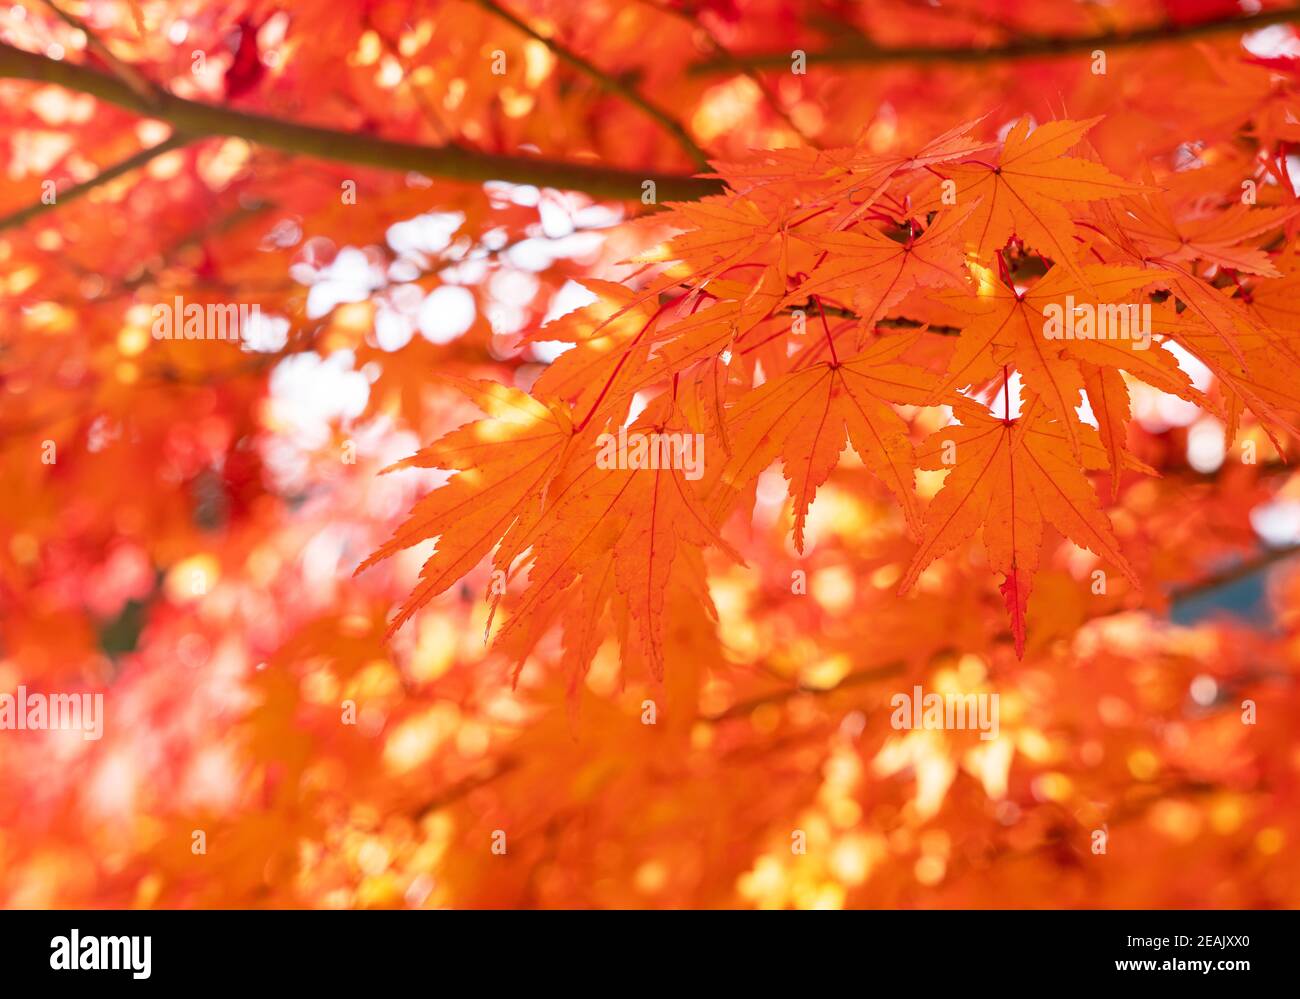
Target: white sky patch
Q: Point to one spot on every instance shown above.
(533, 254)
(571, 297)
(537, 253)
(424, 234)
(446, 314)
(639, 402)
(598, 216)
(998, 404)
(1205, 448)
(403, 270)
(504, 318)
(1086, 415)
(511, 292)
(472, 271)
(556, 220)
(1158, 411)
(393, 330)
(212, 779)
(285, 233)
(390, 496)
(310, 393)
(1277, 523)
(1194, 368)
(1292, 166)
(546, 351)
(495, 239)
(1271, 42)
(564, 213)
(113, 785)
(512, 287)
(578, 246)
(396, 312)
(351, 277)
(503, 193)
(772, 488)
(264, 334)
(1204, 690)
(320, 561)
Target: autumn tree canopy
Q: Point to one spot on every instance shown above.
(649, 453)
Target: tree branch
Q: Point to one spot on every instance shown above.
(103, 177)
(723, 54)
(781, 695)
(893, 669)
(449, 162)
(1040, 47)
(1234, 574)
(464, 787)
(892, 323)
(609, 82)
(127, 74)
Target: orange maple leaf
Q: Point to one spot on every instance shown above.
(803, 417)
(502, 466)
(878, 272)
(1023, 193)
(1008, 476)
(1010, 327)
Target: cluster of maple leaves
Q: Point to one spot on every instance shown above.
(861, 309)
(801, 311)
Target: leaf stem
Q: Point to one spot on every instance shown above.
(830, 341)
(623, 360)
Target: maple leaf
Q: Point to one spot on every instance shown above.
(1111, 404)
(720, 233)
(1261, 373)
(502, 466)
(618, 530)
(197, 511)
(714, 329)
(879, 272)
(1010, 328)
(841, 174)
(1276, 304)
(611, 341)
(1212, 236)
(1023, 194)
(1145, 233)
(873, 170)
(1009, 476)
(803, 417)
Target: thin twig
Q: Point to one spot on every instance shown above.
(861, 52)
(606, 80)
(854, 678)
(129, 75)
(134, 162)
(723, 53)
